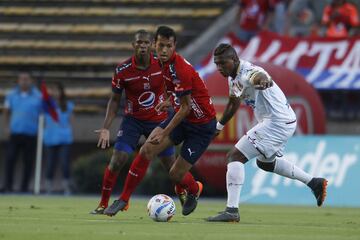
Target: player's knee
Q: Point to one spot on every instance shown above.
(233, 156)
(266, 166)
(147, 151)
(118, 160)
(167, 162)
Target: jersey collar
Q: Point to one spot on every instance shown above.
(171, 60)
(237, 71)
(134, 65)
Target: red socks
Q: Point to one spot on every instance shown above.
(108, 183)
(136, 173)
(189, 184)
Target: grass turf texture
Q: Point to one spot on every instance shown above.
(27, 217)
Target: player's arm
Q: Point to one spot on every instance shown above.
(184, 110)
(112, 109)
(260, 80)
(230, 109)
(111, 112)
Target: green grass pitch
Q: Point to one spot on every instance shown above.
(50, 218)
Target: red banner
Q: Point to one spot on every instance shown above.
(326, 63)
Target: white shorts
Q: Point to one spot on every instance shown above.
(266, 140)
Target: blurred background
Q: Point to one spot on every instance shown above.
(311, 48)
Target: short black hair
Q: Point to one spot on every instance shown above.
(224, 48)
(165, 31)
(142, 32)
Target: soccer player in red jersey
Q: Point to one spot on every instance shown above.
(142, 80)
(193, 125)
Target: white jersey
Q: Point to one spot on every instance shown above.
(270, 103)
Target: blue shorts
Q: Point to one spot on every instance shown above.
(195, 138)
(130, 132)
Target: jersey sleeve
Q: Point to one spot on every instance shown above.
(251, 70)
(117, 84)
(182, 81)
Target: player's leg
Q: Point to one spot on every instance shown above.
(270, 140)
(167, 158)
(128, 137)
(137, 172)
(180, 175)
(196, 138)
(235, 177)
(111, 172)
(285, 168)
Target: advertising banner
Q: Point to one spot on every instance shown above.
(326, 63)
(336, 158)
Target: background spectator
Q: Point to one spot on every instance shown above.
(253, 16)
(304, 17)
(340, 17)
(58, 138)
(22, 109)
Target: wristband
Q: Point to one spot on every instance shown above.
(219, 126)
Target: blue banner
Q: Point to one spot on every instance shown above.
(333, 157)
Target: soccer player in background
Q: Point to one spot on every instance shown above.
(266, 140)
(193, 124)
(142, 80)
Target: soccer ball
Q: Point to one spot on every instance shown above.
(161, 208)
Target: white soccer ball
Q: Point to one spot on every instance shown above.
(161, 208)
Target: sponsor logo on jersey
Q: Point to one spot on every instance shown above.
(196, 109)
(146, 99)
(146, 86)
(122, 67)
(173, 75)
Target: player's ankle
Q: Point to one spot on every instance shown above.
(232, 209)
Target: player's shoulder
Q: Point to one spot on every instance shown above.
(123, 66)
(247, 68)
(181, 61)
(181, 65)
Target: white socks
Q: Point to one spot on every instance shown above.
(288, 169)
(235, 177)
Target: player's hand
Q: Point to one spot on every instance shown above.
(104, 138)
(260, 81)
(217, 132)
(163, 106)
(263, 84)
(156, 137)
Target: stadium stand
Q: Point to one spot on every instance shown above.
(77, 41)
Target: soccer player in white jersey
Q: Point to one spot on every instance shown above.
(265, 141)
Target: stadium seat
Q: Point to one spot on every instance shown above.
(80, 28)
(114, 12)
(59, 60)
